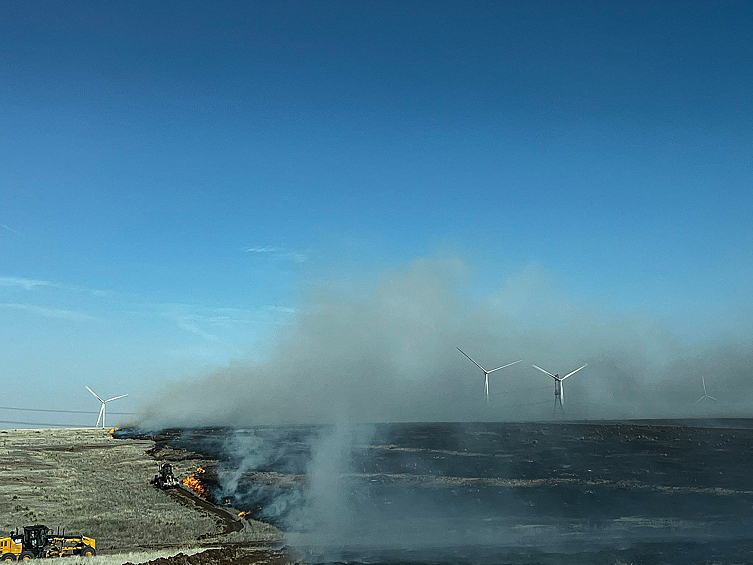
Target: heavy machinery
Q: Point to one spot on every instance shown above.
(40, 541)
(164, 479)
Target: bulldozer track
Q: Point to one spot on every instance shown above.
(230, 521)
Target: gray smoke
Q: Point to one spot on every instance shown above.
(386, 352)
(330, 505)
(252, 450)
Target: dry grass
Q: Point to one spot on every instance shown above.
(97, 486)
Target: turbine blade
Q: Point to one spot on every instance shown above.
(100, 414)
(697, 401)
(712, 398)
(704, 385)
(95, 394)
(503, 366)
(545, 371)
(477, 365)
(575, 371)
(115, 398)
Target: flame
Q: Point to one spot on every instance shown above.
(195, 485)
(241, 514)
(113, 430)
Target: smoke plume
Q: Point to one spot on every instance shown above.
(387, 352)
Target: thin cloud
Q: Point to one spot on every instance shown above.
(186, 325)
(197, 313)
(265, 249)
(283, 309)
(212, 316)
(28, 284)
(280, 253)
(10, 229)
(198, 319)
(32, 284)
(58, 313)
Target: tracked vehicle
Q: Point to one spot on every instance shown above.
(164, 479)
(40, 541)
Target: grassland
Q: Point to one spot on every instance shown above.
(91, 484)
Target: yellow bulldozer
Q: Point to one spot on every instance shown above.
(40, 541)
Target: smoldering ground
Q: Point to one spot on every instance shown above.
(478, 492)
(337, 495)
(387, 352)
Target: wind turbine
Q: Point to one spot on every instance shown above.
(104, 402)
(559, 389)
(486, 373)
(705, 396)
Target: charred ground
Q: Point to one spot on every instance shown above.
(579, 492)
(566, 493)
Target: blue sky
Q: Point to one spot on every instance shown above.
(174, 177)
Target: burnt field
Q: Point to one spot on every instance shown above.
(609, 492)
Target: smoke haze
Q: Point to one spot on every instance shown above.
(387, 352)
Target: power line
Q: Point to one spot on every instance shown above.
(60, 411)
(40, 424)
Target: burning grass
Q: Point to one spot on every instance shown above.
(193, 481)
(92, 484)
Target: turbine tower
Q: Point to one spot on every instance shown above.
(102, 409)
(559, 389)
(705, 396)
(486, 373)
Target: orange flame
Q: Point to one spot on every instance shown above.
(195, 485)
(241, 514)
